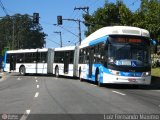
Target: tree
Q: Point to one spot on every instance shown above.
(111, 14)
(148, 16)
(19, 32)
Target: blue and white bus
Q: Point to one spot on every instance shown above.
(116, 54)
(59, 61)
(39, 61)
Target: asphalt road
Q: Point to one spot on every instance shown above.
(49, 98)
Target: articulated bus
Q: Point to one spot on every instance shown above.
(117, 55)
(58, 61)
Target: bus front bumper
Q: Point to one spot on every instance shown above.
(107, 78)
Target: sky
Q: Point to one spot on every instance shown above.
(49, 10)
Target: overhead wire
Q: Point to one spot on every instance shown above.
(3, 8)
(78, 15)
(53, 41)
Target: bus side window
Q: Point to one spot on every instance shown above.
(71, 57)
(43, 57)
(34, 57)
(87, 55)
(20, 58)
(38, 57)
(55, 58)
(28, 58)
(81, 56)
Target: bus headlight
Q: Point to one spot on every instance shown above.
(114, 72)
(146, 74)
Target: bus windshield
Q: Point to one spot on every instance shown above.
(129, 51)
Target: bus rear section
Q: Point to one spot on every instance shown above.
(27, 61)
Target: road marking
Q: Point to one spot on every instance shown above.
(28, 111)
(18, 78)
(36, 80)
(36, 95)
(37, 86)
(118, 92)
(25, 115)
(155, 90)
(35, 77)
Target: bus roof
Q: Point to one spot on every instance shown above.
(115, 30)
(27, 50)
(65, 48)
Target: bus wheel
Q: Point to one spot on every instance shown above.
(97, 80)
(22, 70)
(57, 72)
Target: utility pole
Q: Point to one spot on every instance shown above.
(60, 37)
(79, 27)
(86, 10)
(59, 22)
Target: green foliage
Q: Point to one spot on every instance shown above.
(147, 17)
(19, 32)
(111, 14)
(155, 72)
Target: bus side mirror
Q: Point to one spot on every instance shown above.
(154, 44)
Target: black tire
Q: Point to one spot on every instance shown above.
(22, 71)
(57, 72)
(97, 79)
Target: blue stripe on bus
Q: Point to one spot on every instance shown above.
(99, 40)
(5, 60)
(124, 74)
(102, 70)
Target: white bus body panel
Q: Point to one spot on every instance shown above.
(84, 70)
(107, 78)
(29, 67)
(61, 69)
(114, 30)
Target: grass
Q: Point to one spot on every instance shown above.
(155, 72)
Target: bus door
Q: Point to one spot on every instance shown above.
(66, 62)
(12, 62)
(91, 58)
